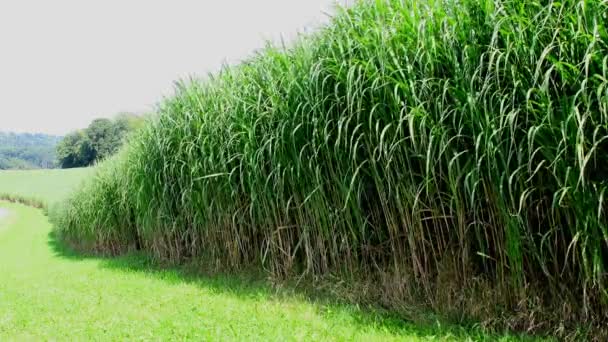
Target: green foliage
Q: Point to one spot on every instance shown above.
(27, 151)
(75, 150)
(448, 152)
(103, 141)
(99, 141)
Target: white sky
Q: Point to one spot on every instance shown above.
(65, 62)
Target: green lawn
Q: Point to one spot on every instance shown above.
(50, 293)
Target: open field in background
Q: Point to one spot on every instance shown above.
(48, 292)
(45, 186)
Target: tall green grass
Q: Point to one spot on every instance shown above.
(451, 152)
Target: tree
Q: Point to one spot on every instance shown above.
(100, 140)
(101, 135)
(75, 150)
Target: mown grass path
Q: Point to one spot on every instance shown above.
(47, 293)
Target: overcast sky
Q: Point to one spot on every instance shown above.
(65, 62)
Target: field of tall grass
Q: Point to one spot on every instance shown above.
(446, 153)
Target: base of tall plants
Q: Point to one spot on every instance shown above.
(475, 303)
(445, 153)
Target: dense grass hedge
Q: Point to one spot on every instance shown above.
(440, 149)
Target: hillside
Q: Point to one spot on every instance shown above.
(27, 151)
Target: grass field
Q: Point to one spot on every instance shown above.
(46, 186)
(48, 292)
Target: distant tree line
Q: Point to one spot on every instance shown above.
(27, 151)
(80, 148)
(100, 140)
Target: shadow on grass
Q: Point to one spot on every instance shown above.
(252, 287)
